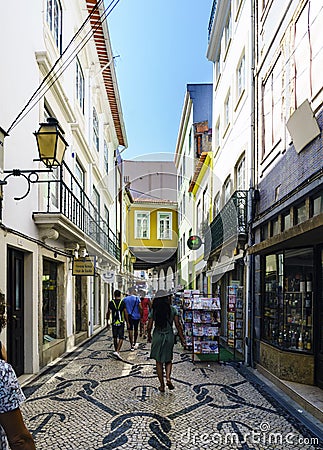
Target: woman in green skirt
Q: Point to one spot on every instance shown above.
(162, 340)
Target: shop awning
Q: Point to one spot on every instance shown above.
(220, 269)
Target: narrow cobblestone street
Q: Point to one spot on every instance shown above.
(90, 400)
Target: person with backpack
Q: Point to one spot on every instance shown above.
(133, 306)
(118, 311)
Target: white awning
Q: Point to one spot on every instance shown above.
(219, 269)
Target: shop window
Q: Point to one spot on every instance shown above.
(288, 300)
(317, 204)
(50, 321)
(301, 215)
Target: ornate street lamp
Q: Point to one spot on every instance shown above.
(51, 143)
(51, 148)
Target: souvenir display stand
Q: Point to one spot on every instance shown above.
(235, 318)
(201, 318)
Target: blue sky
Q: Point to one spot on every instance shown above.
(162, 46)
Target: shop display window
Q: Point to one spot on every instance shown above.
(49, 301)
(288, 300)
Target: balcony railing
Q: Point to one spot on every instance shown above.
(212, 18)
(230, 223)
(65, 195)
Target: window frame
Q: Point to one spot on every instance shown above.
(241, 174)
(137, 234)
(170, 229)
(241, 76)
(227, 193)
(54, 19)
(227, 111)
(80, 85)
(96, 129)
(106, 157)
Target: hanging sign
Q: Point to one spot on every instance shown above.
(194, 242)
(84, 266)
(109, 276)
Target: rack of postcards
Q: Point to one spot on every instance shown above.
(187, 316)
(201, 318)
(235, 317)
(178, 302)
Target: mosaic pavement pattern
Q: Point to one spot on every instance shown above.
(92, 401)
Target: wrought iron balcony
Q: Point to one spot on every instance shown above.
(66, 196)
(230, 223)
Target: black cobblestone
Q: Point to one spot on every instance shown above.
(90, 400)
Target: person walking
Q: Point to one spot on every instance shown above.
(163, 315)
(145, 308)
(133, 307)
(118, 311)
(13, 431)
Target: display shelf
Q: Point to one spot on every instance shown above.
(288, 311)
(235, 317)
(201, 322)
(205, 315)
(297, 333)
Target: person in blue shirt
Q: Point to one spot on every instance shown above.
(133, 307)
(13, 431)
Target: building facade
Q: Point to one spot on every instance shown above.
(194, 137)
(231, 50)
(287, 226)
(152, 223)
(69, 223)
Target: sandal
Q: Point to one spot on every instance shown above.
(161, 388)
(170, 385)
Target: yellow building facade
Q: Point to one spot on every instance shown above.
(152, 238)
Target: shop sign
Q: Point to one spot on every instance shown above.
(109, 276)
(84, 266)
(194, 242)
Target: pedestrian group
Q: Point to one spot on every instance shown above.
(141, 312)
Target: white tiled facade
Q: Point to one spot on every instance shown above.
(81, 214)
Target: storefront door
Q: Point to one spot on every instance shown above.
(15, 295)
(319, 340)
(78, 304)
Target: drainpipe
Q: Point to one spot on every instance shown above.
(250, 295)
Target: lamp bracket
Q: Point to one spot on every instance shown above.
(31, 176)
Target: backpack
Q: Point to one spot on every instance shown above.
(117, 315)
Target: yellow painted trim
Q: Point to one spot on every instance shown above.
(208, 162)
(198, 260)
